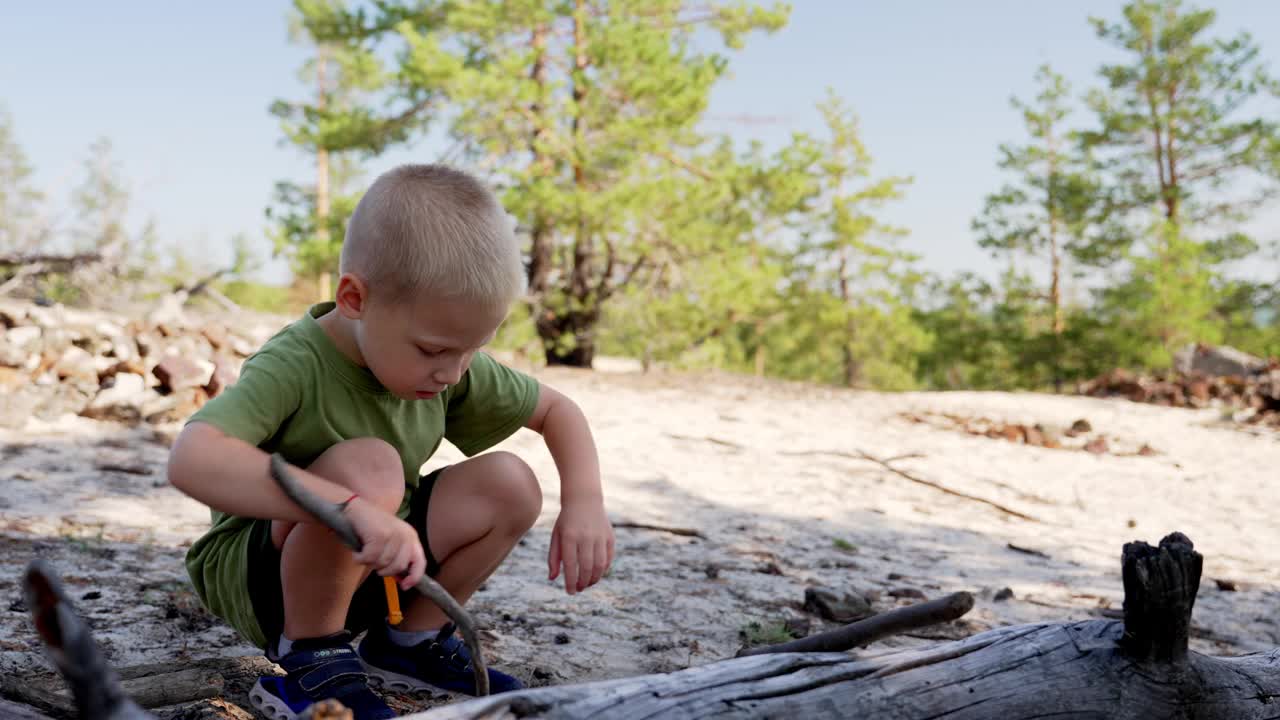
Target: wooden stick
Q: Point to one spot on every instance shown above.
(686, 532)
(873, 628)
(330, 515)
(929, 483)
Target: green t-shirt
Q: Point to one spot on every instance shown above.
(299, 395)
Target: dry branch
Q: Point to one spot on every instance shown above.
(865, 632)
(886, 463)
(331, 516)
(685, 532)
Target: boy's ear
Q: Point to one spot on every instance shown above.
(352, 296)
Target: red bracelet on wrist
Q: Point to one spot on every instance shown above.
(343, 505)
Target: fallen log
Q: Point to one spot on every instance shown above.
(1138, 669)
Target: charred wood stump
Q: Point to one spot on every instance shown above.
(1138, 669)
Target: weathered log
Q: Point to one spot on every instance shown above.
(1136, 669)
(14, 711)
(69, 645)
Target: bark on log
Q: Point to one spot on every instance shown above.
(14, 711)
(1138, 669)
(1032, 671)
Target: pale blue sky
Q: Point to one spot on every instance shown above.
(182, 90)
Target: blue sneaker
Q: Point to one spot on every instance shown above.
(319, 669)
(442, 663)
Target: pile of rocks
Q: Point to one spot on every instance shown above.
(1203, 376)
(156, 369)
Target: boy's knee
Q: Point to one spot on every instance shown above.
(518, 488)
(368, 466)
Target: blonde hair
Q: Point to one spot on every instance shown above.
(435, 231)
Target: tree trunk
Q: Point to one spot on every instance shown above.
(579, 325)
(322, 176)
(852, 371)
(577, 318)
(540, 236)
(1138, 669)
(1055, 263)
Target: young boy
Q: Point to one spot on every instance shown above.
(360, 392)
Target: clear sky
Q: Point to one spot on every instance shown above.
(182, 90)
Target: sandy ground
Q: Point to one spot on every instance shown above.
(768, 473)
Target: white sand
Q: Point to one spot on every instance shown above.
(719, 454)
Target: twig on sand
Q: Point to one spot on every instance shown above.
(685, 532)
(331, 515)
(851, 456)
(887, 464)
(707, 438)
(1027, 551)
(866, 631)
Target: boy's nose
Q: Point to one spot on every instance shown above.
(449, 374)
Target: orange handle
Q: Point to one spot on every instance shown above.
(394, 616)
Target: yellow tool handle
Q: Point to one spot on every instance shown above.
(394, 616)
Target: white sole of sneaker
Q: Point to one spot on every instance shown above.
(270, 705)
(397, 682)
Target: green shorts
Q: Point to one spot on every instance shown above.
(368, 605)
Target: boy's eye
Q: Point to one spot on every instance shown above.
(429, 352)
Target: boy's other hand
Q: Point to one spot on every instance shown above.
(391, 545)
(581, 544)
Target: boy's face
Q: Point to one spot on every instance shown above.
(418, 349)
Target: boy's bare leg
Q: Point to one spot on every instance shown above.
(318, 573)
(479, 510)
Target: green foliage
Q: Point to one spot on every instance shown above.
(1181, 121)
(21, 227)
(650, 237)
(262, 297)
(755, 633)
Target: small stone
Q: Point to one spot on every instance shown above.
(906, 592)
(1081, 426)
(224, 375)
(798, 627)
(1003, 594)
(836, 607)
(76, 364)
(1226, 585)
(122, 400)
(176, 372)
(1097, 446)
(1147, 451)
(216, 335)
(1035, 437)
(1132, 523)
(1012, 433)
(712, 571)
(562, 639)
(21, 337)
(91, 595)
(769, 568)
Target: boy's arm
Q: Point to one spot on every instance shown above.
(232, 476)
(582, 541)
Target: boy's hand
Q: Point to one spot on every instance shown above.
(581, 543)
(391, 545)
